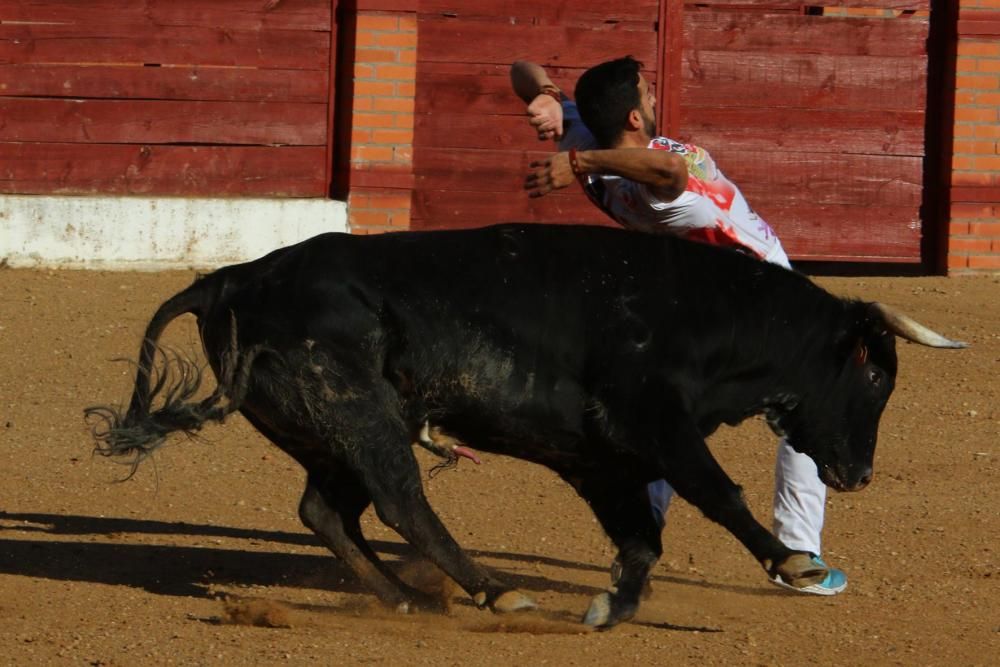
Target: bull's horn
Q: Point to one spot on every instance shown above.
(908, 328)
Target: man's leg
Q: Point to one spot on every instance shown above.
(660, 495)
(799, 505)
(799, 500)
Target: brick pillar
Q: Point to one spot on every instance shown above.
(974, 230)
(381, 156)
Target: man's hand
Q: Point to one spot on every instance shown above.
(547, 175)
(546, 116)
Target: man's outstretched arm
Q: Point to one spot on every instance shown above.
(531, 83)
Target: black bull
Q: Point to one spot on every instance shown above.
(605, 355)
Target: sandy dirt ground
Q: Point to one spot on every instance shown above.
(201, 559)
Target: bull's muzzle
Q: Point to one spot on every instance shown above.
(863, 480)
(842, 478)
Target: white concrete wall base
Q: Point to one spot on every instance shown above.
(155, 233)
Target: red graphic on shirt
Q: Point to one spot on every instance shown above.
(703, 178)
(720, 235)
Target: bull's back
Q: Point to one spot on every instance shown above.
(514, 268)
(569, 287)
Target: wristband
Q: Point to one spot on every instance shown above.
(552, 92)
(574, 163)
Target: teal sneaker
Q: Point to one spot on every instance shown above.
(835, 582)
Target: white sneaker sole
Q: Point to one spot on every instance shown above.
(814, 589)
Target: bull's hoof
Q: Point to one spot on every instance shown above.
(599, 611)
(420, 602)
(607, 610)
(800, 570)
(512, 601)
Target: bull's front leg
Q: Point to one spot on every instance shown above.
(695, 474)
(622, 507)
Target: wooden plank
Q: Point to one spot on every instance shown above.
(496, 43)
(477, 131)
(99, 44)
(735, 31)
(796, 5)
(483, 170)
(28, 168)
(830, 179)
(502, 69)
(568, 14)
(838, 232)
(469, 93)
(229, 14)
(806, 130)
(175, 83)
(715, 78)
(161, 121)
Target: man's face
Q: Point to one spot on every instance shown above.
(647, 106)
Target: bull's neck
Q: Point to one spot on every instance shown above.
(768, 352)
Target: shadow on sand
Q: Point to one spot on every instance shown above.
(117, 551)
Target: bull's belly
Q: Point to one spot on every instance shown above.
(571, 452)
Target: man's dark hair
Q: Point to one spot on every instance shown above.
(605, 94)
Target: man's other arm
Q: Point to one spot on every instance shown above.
(663, 172)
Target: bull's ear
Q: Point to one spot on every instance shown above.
(858, 324)
(861, 353)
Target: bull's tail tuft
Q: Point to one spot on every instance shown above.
(173, 384)
(166, 385)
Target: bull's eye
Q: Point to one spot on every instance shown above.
(875, 377)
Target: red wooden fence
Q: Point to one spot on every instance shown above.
(819, 117)
(169, 97)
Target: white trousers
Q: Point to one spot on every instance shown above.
(799, 500)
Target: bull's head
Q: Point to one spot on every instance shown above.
(835, 419)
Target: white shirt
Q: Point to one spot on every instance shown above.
(711, 209)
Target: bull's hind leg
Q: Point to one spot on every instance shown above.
(383, 459)
(331, 508)
(624, 513)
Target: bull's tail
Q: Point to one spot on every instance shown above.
(172, 384)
